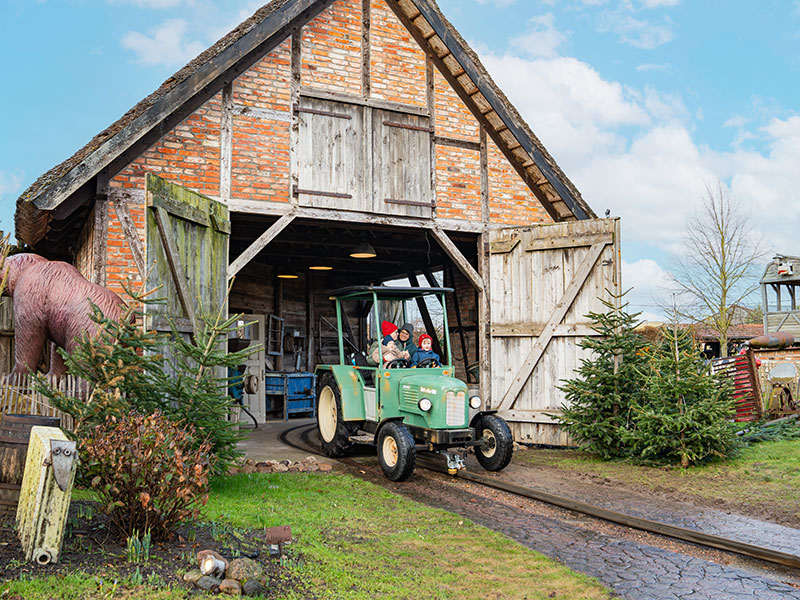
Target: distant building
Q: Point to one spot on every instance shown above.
(779, 295)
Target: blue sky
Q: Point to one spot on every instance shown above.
(642, 102)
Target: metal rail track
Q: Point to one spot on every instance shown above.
(672, 531)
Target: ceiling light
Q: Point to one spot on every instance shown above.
(320, 265)
(363, 250)
(287, 272)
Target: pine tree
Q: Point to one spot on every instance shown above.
(608, 383)
(682, 414)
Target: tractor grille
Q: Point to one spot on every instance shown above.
(456, 409)
(410, 397)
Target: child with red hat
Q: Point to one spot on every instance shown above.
(424, 352)
(386, 347)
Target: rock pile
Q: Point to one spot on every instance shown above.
(239, 577)
(307, 465)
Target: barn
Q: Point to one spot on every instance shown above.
(316, 127)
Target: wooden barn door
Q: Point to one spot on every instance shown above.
(544, 280)
(187, 254)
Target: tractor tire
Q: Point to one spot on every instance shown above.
(496, 453)
(397, 451)
(334, 431)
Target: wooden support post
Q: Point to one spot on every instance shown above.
(258, 245)
(100, 237)
(279, 313)
(366, 59)
(484, 324)
(426, 317)
(430, 95)
(118, 200)
(455, 255)
(432, 281)
(226, 142)
(45, 494)
(459, 322)
(484, 149)
(294, 103)
(311, 318)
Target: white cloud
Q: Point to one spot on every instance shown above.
(9, 183)
(499, 3)
(166, 44)
(653, 67)
(657, 3)
(637, 32)
(650, 288)
(541, 38)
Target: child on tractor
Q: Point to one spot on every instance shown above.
(424, 353)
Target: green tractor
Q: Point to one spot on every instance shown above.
(398, 408)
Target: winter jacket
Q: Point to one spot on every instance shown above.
(421, 355)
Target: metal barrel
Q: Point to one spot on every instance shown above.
(15, 431)
(777, 340)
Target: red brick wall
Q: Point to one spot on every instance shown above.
(331, 49)
(511, 202)
(397, 63)
(458, 183)
(453, 118)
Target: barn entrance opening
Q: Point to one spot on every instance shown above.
(285, 268)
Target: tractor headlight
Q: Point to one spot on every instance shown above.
(424, 404)
(475, 402)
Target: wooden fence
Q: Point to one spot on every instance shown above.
(18, 395)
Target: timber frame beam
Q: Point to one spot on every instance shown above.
(455, 255)
(257, 246)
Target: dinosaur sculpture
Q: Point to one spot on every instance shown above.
(51, 301)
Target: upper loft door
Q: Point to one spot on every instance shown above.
(402, 174)
(333, 156)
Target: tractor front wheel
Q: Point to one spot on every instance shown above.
(334, 431)
(498, 445)
(397, 452)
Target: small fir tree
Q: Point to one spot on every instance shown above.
(682, 415)
(126, 370)
(608, 383)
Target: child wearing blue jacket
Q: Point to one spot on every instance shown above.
(424, 352)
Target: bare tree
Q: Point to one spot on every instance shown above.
(716, 273)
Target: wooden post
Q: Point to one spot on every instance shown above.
(311, 317)
(294, 100)
(226, 142)
(279, 313)
(45, 494)
(366, 66)
(100, 237)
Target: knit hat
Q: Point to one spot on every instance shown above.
(387, 328)
(424, 336)
(409, 328)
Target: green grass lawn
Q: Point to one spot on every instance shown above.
(356, 540)
(765, 473)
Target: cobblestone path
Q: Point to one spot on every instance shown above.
(635, 571)
(731, 526)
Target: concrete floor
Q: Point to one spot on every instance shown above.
(264, 443)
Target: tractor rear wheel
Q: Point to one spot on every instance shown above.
(334, 431)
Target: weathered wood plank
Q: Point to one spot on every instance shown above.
(555, 319)
(455, 255)
(366, 49)
(261, 113)
(567, 242)
(130, 231)
(536, 329)
(226, 140)
(175, 264)
(309, 92)
(259, 244)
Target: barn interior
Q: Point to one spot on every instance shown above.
(285, 289)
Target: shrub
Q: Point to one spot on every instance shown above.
(683, 412)
(128, 368)
(148, 472)
(608, 383)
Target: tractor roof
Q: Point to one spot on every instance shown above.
(364, 292)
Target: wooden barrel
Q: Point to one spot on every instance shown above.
(15, 430)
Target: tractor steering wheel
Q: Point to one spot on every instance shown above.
(428, 362)
(398, 363)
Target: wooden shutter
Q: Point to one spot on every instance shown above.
(401, 172)
(187, 254)
(333, 155)
(544, 280)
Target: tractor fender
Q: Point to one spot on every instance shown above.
(479, 415)
(384, 422)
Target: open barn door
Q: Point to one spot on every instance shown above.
(187, 254)
(544, 280)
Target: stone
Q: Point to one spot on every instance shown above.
(312, 467)
(230, 587)
(234, 471)
(286, 462)
(207, 583)
(192, 576)
(201, 556)
(280, 468)
(310, 459)
(262, 467)
(325, 467)
(251, 587)
(249, 469)
(294, 469)
(244, 569)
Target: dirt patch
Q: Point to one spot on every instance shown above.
(89, 547)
